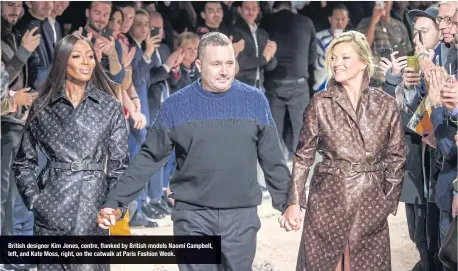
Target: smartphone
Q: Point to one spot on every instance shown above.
(33, 24)
(412, 62)
(401, 50)
(107, 33)
(386, 53)
(154, 31)
(420, 37)
(380, 4)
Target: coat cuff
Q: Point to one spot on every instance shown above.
(110, 204)
(22, 54)
(393, 79)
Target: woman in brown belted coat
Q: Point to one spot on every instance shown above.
(358, 131)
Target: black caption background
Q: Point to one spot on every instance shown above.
(140, 250)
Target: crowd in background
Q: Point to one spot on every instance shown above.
(149, 47)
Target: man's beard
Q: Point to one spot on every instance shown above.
(91, 25)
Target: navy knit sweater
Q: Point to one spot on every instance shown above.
(218, 138)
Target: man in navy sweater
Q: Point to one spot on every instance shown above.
(219, 128)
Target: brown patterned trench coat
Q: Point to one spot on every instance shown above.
(357, 185)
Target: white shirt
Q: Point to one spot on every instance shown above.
(52, 22)
(254, 30)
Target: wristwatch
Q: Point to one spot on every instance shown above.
(436, 106)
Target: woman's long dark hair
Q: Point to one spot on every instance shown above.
(57, 76)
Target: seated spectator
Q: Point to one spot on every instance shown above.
(187, 72)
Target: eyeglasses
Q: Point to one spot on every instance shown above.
(448, 20)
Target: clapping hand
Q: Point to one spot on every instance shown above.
(127, 55)
(449, 94)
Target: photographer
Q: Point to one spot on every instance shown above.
(383, 32)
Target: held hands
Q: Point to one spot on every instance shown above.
(292, 218)
(107, 217)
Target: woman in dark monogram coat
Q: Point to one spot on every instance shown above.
(78, 123)
(358, 131)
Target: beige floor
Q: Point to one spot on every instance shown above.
(277, 249)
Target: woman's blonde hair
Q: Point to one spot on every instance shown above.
(361, 46)
(187, 36)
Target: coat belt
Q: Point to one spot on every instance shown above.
(74, 166)
(353, 167)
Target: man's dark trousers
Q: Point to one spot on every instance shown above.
(237, 227)
(288, 100)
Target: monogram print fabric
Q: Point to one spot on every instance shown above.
(66, 202)
(357, 185)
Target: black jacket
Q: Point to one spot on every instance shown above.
(45, 49)
(184, 78)
(296, 45)
(248, 62)
(21, 65)
(93, 133)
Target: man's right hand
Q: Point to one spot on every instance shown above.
(269, 50)
(151, 44)
(410, 79)
(377, 13)
(30, 41)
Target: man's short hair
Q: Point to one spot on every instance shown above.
(339, 6)
(282, 4)
(141, 12)
(103, 2)
(215, 2)
(212, 39)
(125, 4)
